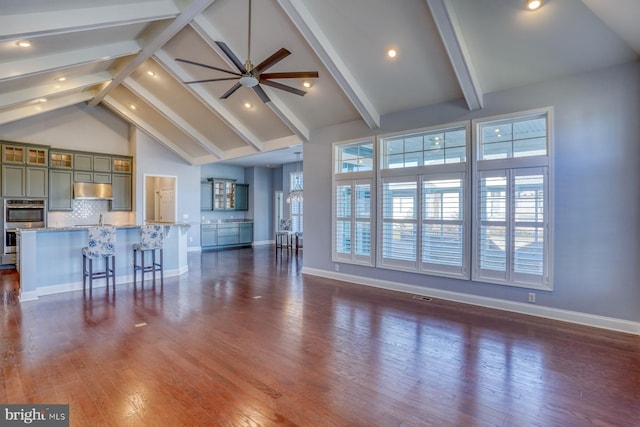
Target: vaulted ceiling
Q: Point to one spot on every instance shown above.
(122, 54)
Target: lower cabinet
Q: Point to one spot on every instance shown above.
(226, 235)
(208, 235)
(245, 233)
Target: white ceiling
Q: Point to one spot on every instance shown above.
(447, 50)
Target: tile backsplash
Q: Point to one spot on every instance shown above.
(87, 212)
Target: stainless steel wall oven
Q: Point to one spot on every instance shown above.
(20, 213)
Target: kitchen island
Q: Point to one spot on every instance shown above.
(49, 260)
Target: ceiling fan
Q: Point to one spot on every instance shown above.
(253, 76)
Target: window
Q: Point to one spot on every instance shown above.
(425, 148)
(512, 203)
(296, 182)
(424, 202)
(420, 188)
(353, 203)
(354, 158)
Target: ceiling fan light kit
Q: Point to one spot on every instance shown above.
(248, 80)
(254, 76)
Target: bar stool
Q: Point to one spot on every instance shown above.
(299, 242)
(283, 235)
(102, 244)
(150, 240)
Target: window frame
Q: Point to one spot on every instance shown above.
(421, 174)
(297, 218)
(510, 168)
(353, 179)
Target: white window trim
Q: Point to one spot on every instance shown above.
(353, 178)
(513, 164)
(292, 215)
(418, 173)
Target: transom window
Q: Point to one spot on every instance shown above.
(436, 147)
(354, 158)
(509, 138)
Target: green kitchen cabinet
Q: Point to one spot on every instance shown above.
(121, 184)
(60, 190)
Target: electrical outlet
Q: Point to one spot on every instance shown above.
(532, 297)
(337, 267)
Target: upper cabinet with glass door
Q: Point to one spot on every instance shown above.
(224, 194)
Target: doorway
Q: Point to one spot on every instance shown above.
(160, 198)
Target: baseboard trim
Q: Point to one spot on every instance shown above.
(263, 242)
(586, 319)
(77, 286)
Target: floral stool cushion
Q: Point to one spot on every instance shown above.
(102, 242)
(150, 238)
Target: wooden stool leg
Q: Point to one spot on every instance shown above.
(153, 264)
(84, 271)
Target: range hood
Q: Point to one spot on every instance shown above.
(90, 191)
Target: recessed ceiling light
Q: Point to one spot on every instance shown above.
(133, 107)
(247, 105)
(151, 73)
(61, 79)
(532, 4)
(306, 83)
(24, 43)
(42, 100)
(392, 53)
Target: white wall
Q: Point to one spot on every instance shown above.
(597, 191)
(151, 158)
(261, 191)
(79, 127)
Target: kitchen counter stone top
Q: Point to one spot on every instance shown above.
(82, 227)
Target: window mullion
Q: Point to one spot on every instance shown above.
(510, 228)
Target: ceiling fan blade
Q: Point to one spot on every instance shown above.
(283, 87)
(210, 80)
(207, 66)
(234, 88)
(271, 61)
(232, 57)
(292, 75)
(261, 93)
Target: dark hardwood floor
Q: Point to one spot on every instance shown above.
(244, 340)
